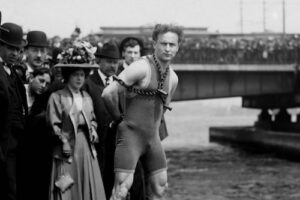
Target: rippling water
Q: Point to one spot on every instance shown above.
(189, 121)
(200, 170)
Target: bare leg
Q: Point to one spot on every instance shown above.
(157, 186)
(123, 182)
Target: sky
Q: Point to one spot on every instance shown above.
(60, 17)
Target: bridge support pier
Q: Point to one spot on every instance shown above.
(264, 119)
(283, 116)
(298, 119)
(283, 122)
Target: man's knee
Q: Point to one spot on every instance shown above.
(122, 178)
(123, 183)
(159, 184)
(160, 189)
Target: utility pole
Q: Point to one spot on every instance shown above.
(283, 18)
(241, 16)
(264, 16)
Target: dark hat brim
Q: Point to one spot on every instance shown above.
(37, 45)
(23, 43)
(83, 66)
(107, 56)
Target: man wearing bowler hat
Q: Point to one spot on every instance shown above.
(13, 108)
(108, 59)
(36, 51)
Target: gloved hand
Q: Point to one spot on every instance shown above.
(115, 123)
(66, 149)
(94, 138)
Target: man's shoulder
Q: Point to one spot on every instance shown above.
(141, 66)
(91, 79)
(140, 62)
(172, 71)
(94, 80)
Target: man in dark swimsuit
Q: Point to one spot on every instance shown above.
(148, 85)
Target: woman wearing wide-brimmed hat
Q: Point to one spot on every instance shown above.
(75, 172)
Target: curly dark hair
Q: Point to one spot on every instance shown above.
(41, 71)
(164, 28)
(67, 71)
(130, 43)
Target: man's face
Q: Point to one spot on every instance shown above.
(9, 54)
(108, 66)
(166, 46)
(131, 54)
(36, 56)
(39, 84)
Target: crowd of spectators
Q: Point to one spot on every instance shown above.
(240, 50)
(221, 50)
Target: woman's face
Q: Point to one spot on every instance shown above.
(76, 79)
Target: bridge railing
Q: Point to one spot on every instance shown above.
(209, 55)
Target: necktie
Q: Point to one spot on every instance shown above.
(107, 81)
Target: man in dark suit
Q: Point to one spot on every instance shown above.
(36, 51)
(108, 59)
(13, 108)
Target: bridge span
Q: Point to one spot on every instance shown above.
(216, 81)
(265, 87)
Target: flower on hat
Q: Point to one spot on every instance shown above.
(81, 52)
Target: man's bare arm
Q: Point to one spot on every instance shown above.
(173, 86)
(110, 96)
(112, 93)
(174, 83)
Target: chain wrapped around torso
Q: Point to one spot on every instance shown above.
(148, 92)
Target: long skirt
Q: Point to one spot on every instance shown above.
(84, 173)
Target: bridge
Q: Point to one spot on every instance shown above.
(262, 87)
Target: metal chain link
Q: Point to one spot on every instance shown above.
(148, 92)
(163, 75)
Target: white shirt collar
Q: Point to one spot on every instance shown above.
(30, 98)
(125, 65)
(29, 68)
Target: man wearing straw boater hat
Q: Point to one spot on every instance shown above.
(13, 108)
